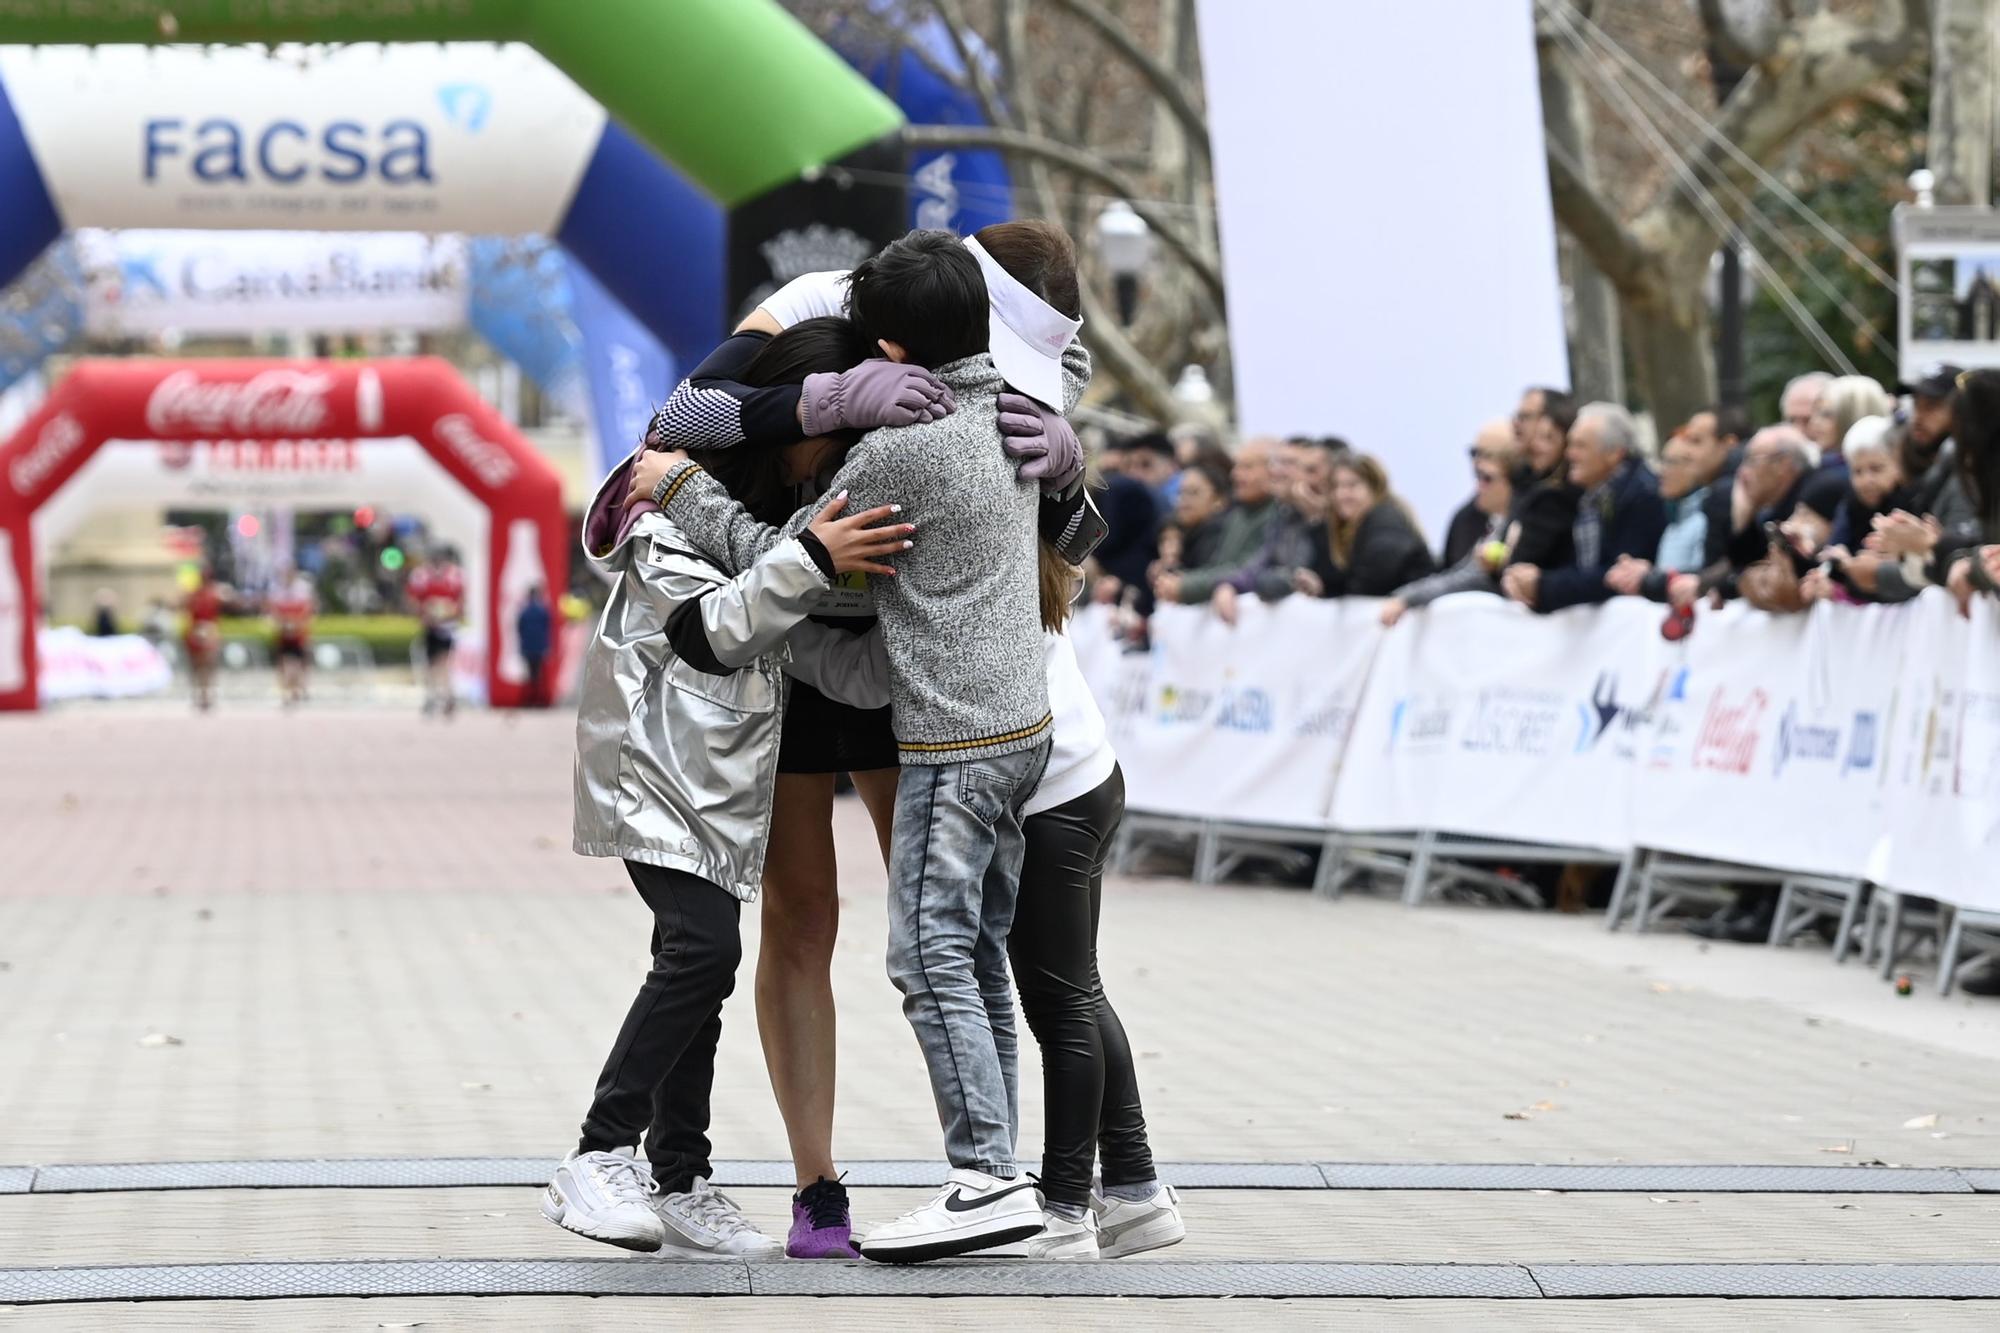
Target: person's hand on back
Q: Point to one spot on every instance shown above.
(1392, 611)
(1041, 441)
(1167, 587)
(874, 393)
(854, 542)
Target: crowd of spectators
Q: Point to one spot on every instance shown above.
(1848, 498)
(1856, 495)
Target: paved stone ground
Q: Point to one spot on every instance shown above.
(368, 937)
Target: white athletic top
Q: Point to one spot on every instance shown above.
(1081, 756)
(808, 297)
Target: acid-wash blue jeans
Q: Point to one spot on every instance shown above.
(954, 872)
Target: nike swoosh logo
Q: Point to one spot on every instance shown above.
(959, 1202)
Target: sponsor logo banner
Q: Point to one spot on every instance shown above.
(346, 138)
(141, 281)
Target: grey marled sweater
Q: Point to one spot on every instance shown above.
(961, 619)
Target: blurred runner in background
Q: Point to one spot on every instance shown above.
(436, 590)
(292, 606)
(203, 636)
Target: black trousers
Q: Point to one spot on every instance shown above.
(1089, 1087)
(657, 1079)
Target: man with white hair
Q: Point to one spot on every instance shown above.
(1801, 399)
(1619, 513)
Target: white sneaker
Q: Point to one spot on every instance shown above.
(606, 1196)
(974, 1211)
(705, 1223)
(1063, 1239)
(1133, 1228)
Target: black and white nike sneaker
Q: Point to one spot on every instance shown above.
(974, 1211)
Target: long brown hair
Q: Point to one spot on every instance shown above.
(1340, 533)
(1058, 580)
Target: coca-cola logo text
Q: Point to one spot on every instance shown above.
(276, 402)
(493, 465)
(59, 439)
(1728, 739)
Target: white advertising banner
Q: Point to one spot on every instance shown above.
(365, 137)
(1484, 719)
(202, 282)
(75, 665)
(1944, 770)
(1414, 251)
(1769, 747)
(1245, 722)
(1855, 742)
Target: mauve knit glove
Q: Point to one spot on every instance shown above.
(1041, 441)
(874, 393)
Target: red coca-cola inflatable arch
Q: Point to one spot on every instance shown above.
(422, 398)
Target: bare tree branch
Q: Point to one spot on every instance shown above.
(1618, 254)
(1816, 62)
(1740, 49)
(952, 15)
(1172, 89)
(1035, 148)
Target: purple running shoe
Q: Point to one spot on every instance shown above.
(822, 1228)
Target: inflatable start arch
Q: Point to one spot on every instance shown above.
(299, 415)
(734, 105)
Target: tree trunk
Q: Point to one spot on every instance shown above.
(1596, 355)
(1671, 340)
(1960, 151)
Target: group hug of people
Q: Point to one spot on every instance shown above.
(850, 544)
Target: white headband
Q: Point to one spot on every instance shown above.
(1028, 334)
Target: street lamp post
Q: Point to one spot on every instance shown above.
(1125, 243)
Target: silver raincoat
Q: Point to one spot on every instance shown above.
(674, 766)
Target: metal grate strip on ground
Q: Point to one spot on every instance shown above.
(1771, 1281)
(1131, 1279)
(1634, 1178)
(644, 1277)
(449, 1172)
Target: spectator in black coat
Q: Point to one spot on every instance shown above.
(1619, 513)
(1539, 511)
(1132, 531)
(1497, 444)
(1372, 545)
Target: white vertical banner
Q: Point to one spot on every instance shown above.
(1482, 718)
(1387, 236)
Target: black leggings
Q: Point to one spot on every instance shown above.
(658, 1077)
(1089, 1087)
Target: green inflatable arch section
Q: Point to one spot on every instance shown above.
(738, 94)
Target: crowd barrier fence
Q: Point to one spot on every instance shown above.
(1847, 746)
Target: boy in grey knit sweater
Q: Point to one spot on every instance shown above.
(960, 619)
